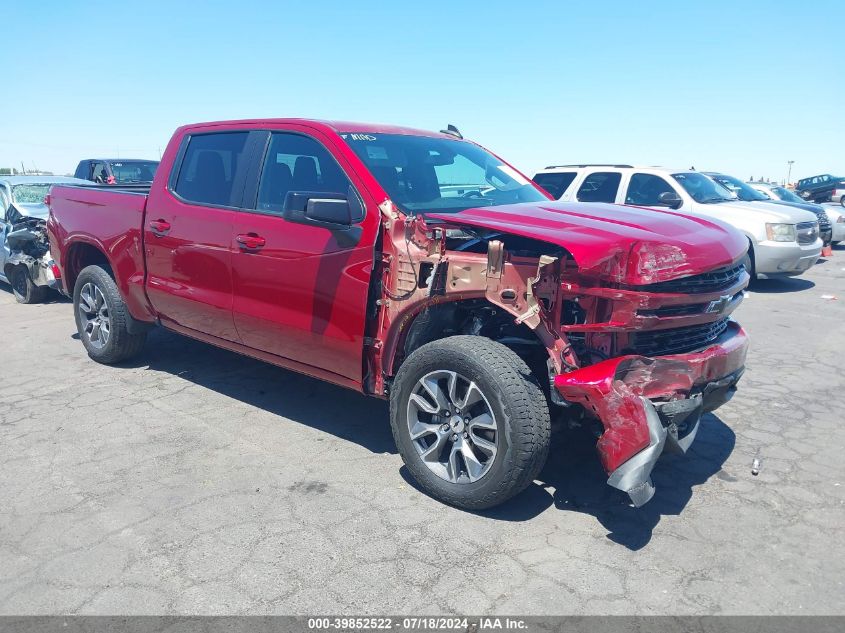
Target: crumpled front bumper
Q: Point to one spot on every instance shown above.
(648, 405)
(41, 271)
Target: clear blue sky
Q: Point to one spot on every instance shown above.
(736, 86)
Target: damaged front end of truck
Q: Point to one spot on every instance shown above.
(632, 330)
(28, 248)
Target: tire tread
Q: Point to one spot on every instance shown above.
(122, 345)
(522, 399)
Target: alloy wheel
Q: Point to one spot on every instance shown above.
(94, 313)
(452, 427)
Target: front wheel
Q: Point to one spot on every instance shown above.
(102, 318)
(470, 421)
(24, 288)
(842, 201)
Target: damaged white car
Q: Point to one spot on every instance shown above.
(25, 261)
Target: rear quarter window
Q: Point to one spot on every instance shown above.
(208, 169)
(600, 186)
(556, 183)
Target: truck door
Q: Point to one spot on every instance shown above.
(188, 234)
(300, 287)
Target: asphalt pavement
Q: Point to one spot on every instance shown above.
(194, 480)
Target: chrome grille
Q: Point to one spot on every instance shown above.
(807, 232)
(677, 340)
(712, 281)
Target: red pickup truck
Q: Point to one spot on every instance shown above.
(419, 267)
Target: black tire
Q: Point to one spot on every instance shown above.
(25, 291)
(515, 399)
(842, 201)
(119, 344)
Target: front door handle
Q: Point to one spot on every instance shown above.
(160, 227)
(250, 241)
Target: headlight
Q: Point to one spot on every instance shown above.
(780, 232)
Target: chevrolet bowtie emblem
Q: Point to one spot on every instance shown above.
(718, 306)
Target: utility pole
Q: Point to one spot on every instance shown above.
(789, 173)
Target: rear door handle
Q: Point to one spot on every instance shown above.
(250, 241)
(160, 227)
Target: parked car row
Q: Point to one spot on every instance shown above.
(418, 267)
(835, 217)
(783, 239)
(25, 260)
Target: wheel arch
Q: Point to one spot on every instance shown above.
(79, 255)
(435, 321)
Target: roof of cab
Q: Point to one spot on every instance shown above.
(336, 127)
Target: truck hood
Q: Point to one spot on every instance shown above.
(815, 209)
(778, 211)
(620, 244)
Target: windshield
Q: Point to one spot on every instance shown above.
(134, 170)
(703, 189)
(743, 191)
(424, 174)
(786, 195)
(30, 193)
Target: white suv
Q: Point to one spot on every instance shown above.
(783, 241)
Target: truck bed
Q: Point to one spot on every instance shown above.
(110, 218)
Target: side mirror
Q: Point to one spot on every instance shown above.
(329, 210)
(670, 199)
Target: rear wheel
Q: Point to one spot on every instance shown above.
(25, 290)
(102, 318)
(470, 421)
(842, 201)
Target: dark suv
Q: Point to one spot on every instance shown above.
(819, 188)
(114, 171)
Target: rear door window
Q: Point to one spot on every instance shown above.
(99, 173)
(555, 183)
(211, 166)
(645, 189)
(600, 186)
(297, 163)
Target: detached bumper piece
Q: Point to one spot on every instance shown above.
(651, 405)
